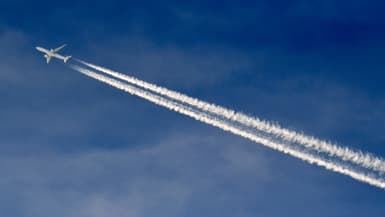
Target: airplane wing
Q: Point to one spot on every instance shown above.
(48, 59)
(59, 48)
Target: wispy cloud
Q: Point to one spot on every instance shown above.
(227, 126)
(363, 159)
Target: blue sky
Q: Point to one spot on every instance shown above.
(71, 146)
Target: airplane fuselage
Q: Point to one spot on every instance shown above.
(50, 53)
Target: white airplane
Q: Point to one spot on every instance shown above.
(48, 54)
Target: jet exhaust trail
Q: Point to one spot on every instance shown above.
(365, 160)
(226, 126)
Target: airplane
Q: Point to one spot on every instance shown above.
(48, 54)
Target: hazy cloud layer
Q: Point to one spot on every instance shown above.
(166, 178)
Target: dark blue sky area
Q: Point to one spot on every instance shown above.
(71, 146)
(338, 35)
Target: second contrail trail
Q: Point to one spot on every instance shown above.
(365, 160)
(207, 118)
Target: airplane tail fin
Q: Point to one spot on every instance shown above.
(67, 58)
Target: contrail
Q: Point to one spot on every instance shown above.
(206, 118)
(363, 159)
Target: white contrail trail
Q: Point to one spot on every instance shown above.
(189, 111)
(363, 159)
